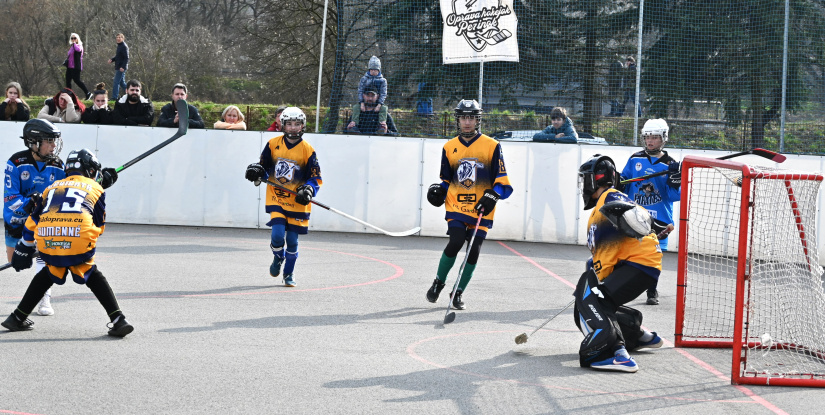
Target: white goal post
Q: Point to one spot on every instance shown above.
(748, 273)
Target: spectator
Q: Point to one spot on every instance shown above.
(121, 61)
(629, 85)
(276, 125)
(231, 119)
(373, 78)
(561, 129)
(63, 107)
(169, 113)
(132, 108)
(13, 108)
(99, 112)
(614, 87)
(366, 120)
(74, 64)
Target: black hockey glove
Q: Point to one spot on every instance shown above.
(35, 200)
(661, 228)
(674, 178)
(23, 257)
(108, 177)
(619, 186)
(304, 194)
(487, 202)
(436, 194)
(255, 173)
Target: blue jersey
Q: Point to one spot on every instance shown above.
(654, 193)
(24, 176)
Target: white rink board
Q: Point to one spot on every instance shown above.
(198, 180)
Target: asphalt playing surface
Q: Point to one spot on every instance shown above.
(214, 333)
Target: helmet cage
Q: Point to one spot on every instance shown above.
(83, 162)
(468, 107)
(36, 131)
(293, 114)
(597, 172)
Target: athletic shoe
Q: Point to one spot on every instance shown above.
(120, 327)
(435, 290)
(654, 343)
(457, 303)
(652, 297)
(275, 268)
(621, 362)
(289, 281)
(44, 308)
(14, 324)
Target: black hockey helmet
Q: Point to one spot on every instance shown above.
(36, 131)
(82, 162)
(594, 173)
(464, 108)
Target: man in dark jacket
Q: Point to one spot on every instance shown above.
(132, 108)
(169, 113)
(121, 61)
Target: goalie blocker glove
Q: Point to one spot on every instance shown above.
(436, 194)
(487, 201)
(23, 256)
(674, 178)
(255, 173)
(631, 219)
(304, 194)
(108, 177)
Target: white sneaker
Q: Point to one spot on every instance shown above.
(45, 306)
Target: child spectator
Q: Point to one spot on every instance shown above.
(561, 129)
(231, 119)
(374, 78)
(99, 112)
(276, 125)
(63, 107)
(13, 108)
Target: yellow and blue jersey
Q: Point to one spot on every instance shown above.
(291, 166)
(468, 168)
(68, 224)
(610, 247)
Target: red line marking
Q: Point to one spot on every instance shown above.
(749, 393)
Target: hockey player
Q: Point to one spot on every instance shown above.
(290, 161)
(65, 228)
(655, 194)
(473, 179)
(28, 173)
(626, 261)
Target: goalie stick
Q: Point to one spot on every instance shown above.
(522, 338)
(333, 210)
(183, 125)
(450, 316)
(761, 152)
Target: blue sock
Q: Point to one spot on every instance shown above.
(289, 265)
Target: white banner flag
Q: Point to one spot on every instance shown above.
(479, 31)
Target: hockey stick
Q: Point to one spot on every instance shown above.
(333, 210)
(522, 338)
(183, 125)
(450, 316)
(761, 152)
(7, 266)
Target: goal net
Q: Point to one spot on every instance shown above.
(749, 276)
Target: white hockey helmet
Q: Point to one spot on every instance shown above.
(293, 114)
(656, 126)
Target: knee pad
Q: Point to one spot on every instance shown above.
(596, 322)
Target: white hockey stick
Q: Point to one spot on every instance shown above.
(522, 338)
(352, 218)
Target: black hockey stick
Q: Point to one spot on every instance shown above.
(522, 338)
(450, 316)
(183, 125)
(761, 152)
(353, 218)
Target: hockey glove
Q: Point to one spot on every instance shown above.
(35, 200)
(23, 256)
(255, 173)
(436, 194)
(487, 202)
(661, 229)
(108, 177)
(304, 194)
(674, 178)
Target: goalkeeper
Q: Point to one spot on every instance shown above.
(626, 261)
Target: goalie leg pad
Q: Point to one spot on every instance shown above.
(596, 320)
(630, 323)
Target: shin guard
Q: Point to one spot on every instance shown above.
(289, 263)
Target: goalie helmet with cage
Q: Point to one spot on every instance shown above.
(293, 114)
(594, 173)
(655, 127)
(36, 131)
(82, 162)
(468, 107)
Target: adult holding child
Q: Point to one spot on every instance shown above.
(13, 108)
(231, 119)
(74, 64)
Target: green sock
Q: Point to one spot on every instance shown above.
(466, 275)
(444, 266)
